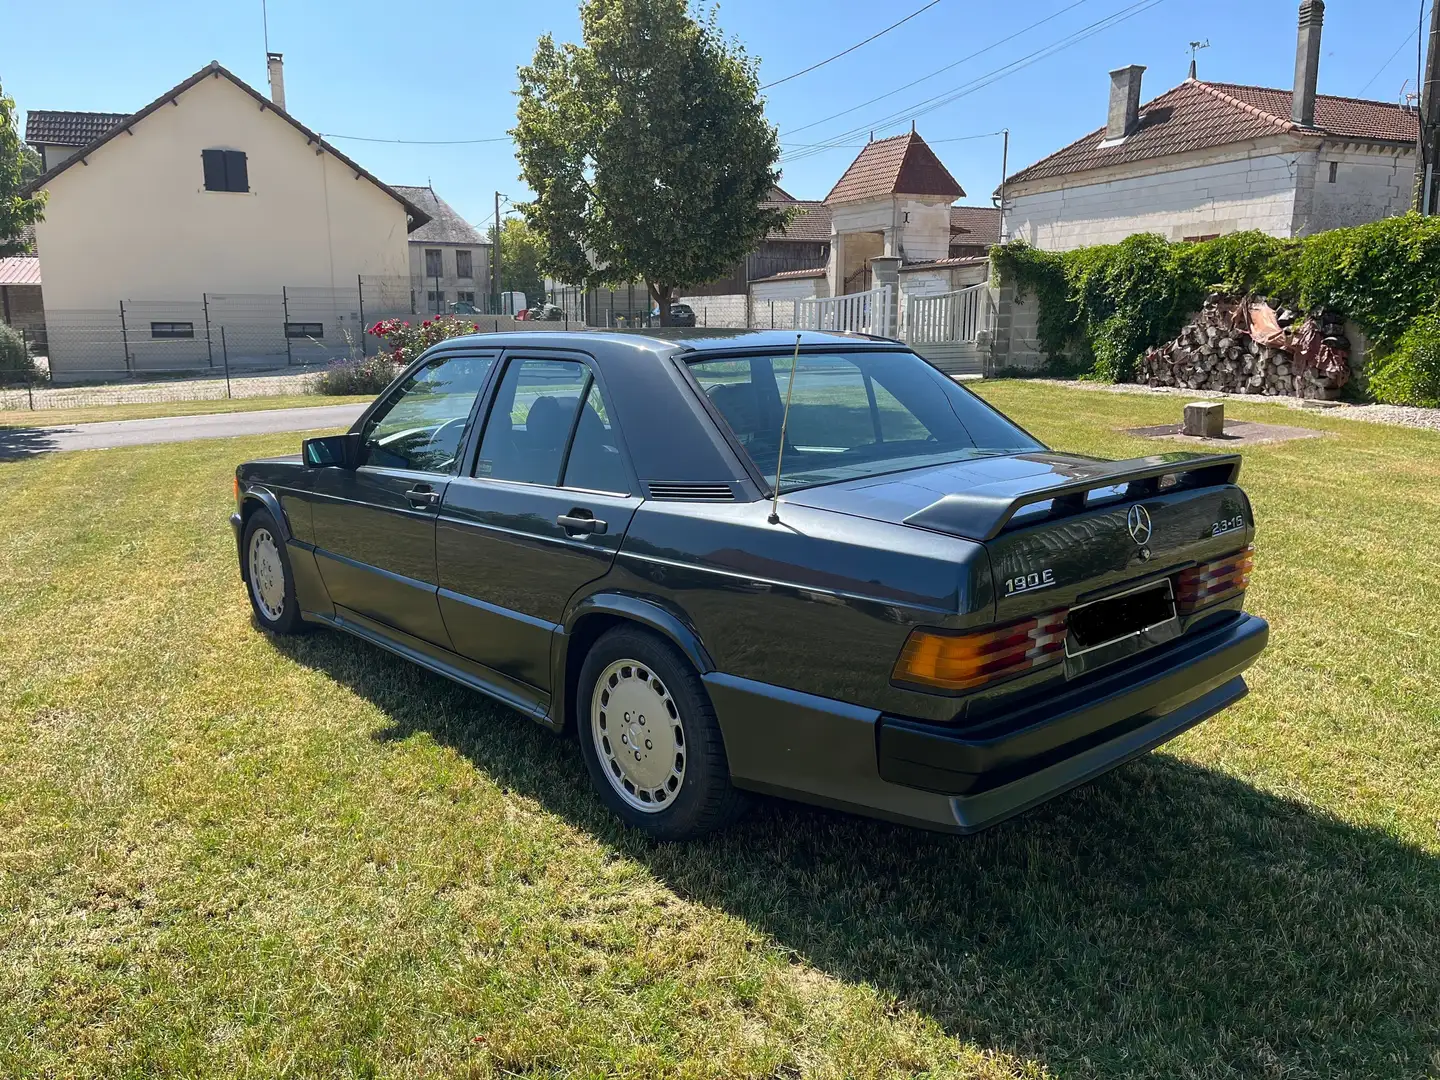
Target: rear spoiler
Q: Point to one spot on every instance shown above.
(983, 512)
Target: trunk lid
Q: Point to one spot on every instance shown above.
(1057, 527)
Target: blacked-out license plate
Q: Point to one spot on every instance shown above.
(1128, 614)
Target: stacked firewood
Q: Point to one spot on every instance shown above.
(1243, 345)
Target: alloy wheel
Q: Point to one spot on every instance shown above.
(267, 575)
(638, 736)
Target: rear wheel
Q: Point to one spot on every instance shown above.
(650, 738)
(268, 578)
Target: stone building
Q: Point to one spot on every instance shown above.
(1209, 158)
(449, 259)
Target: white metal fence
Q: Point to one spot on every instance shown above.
(952, 316)
(862, 313)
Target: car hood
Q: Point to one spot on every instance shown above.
(893, 497)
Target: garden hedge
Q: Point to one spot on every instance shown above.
(1102, 307)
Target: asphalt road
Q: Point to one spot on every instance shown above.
(22, 442)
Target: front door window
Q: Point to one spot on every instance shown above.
(421, 425)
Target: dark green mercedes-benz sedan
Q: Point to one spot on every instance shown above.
(809, 565)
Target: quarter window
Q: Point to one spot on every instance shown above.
(594, 459)
(531, 421)
(422, 424)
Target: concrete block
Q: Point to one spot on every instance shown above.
(1205, 419)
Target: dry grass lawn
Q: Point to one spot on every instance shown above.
(225, 855)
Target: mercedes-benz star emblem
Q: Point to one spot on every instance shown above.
(1138, 521)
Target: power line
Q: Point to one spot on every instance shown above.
(955, 93)
(932, 142)
(1387, 63)
(937, 71)
(852, 48)
(419, 142)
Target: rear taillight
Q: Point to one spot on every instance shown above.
(1200, 586)
(962, 661)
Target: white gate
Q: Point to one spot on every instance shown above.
(862, 313)
(947, 329)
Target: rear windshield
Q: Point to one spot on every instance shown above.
(852, 414)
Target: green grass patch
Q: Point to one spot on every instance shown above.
(227, 855)
(28, 418)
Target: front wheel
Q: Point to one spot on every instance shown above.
(268, 578)
(650, 738)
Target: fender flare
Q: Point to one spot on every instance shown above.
(267, 499)
(635, 609)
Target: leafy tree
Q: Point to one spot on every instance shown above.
(520, 259)
(30, 164)
(647, 148)
(16, 211)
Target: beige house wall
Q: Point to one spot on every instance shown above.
(135, 221)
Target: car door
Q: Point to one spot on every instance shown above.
(544, 511)
(374, 526)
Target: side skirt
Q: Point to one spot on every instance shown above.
(467, 673)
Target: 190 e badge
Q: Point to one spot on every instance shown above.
(1040, 579)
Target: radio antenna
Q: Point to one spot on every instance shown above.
(784, 420)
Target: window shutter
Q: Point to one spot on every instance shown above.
(214, 161)
(237, 175)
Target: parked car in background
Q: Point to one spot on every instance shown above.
(809, 565)
(464, 307)
(682, 315)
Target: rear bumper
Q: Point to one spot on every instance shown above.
(828, 752)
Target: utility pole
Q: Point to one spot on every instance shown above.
(495, 256)
(1428, 157)
(1004, 168)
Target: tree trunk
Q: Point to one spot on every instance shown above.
(663, 297)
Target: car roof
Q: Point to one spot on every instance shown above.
(669, 340)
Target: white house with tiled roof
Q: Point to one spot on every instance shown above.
(1209, 158)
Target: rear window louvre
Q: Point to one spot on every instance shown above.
(686, 491)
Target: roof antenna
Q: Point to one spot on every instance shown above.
(774, 518)
(1195, 47)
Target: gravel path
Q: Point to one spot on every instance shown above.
(1398, 415)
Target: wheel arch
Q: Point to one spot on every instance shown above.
(251, 500)
(595, 615)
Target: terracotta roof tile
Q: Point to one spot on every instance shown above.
(1198, 115)
(68, 128)
(786, 275)
(20, 270)
(975, 225)
(811, 223)
(901, 165)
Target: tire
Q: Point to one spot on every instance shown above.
(675, 780)
(269, 581)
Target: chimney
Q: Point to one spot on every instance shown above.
(1124, 115)
(276, 64)
(1307, 62)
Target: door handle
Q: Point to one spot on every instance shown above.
(422, 496)
(579, 521)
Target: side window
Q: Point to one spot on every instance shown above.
(422, 424)
(530, 421)
(594, 462)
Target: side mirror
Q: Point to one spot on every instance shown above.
(331, 452)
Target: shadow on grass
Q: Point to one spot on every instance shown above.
(1166, 920)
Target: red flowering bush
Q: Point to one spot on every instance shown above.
(406, 341)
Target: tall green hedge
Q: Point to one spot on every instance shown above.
(1102, 307)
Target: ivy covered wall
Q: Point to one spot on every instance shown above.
(1101, 307)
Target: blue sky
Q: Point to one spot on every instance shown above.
(444, 70)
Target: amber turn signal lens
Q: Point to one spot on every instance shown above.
(950, 661)
(235, 489)
(1208, 583)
